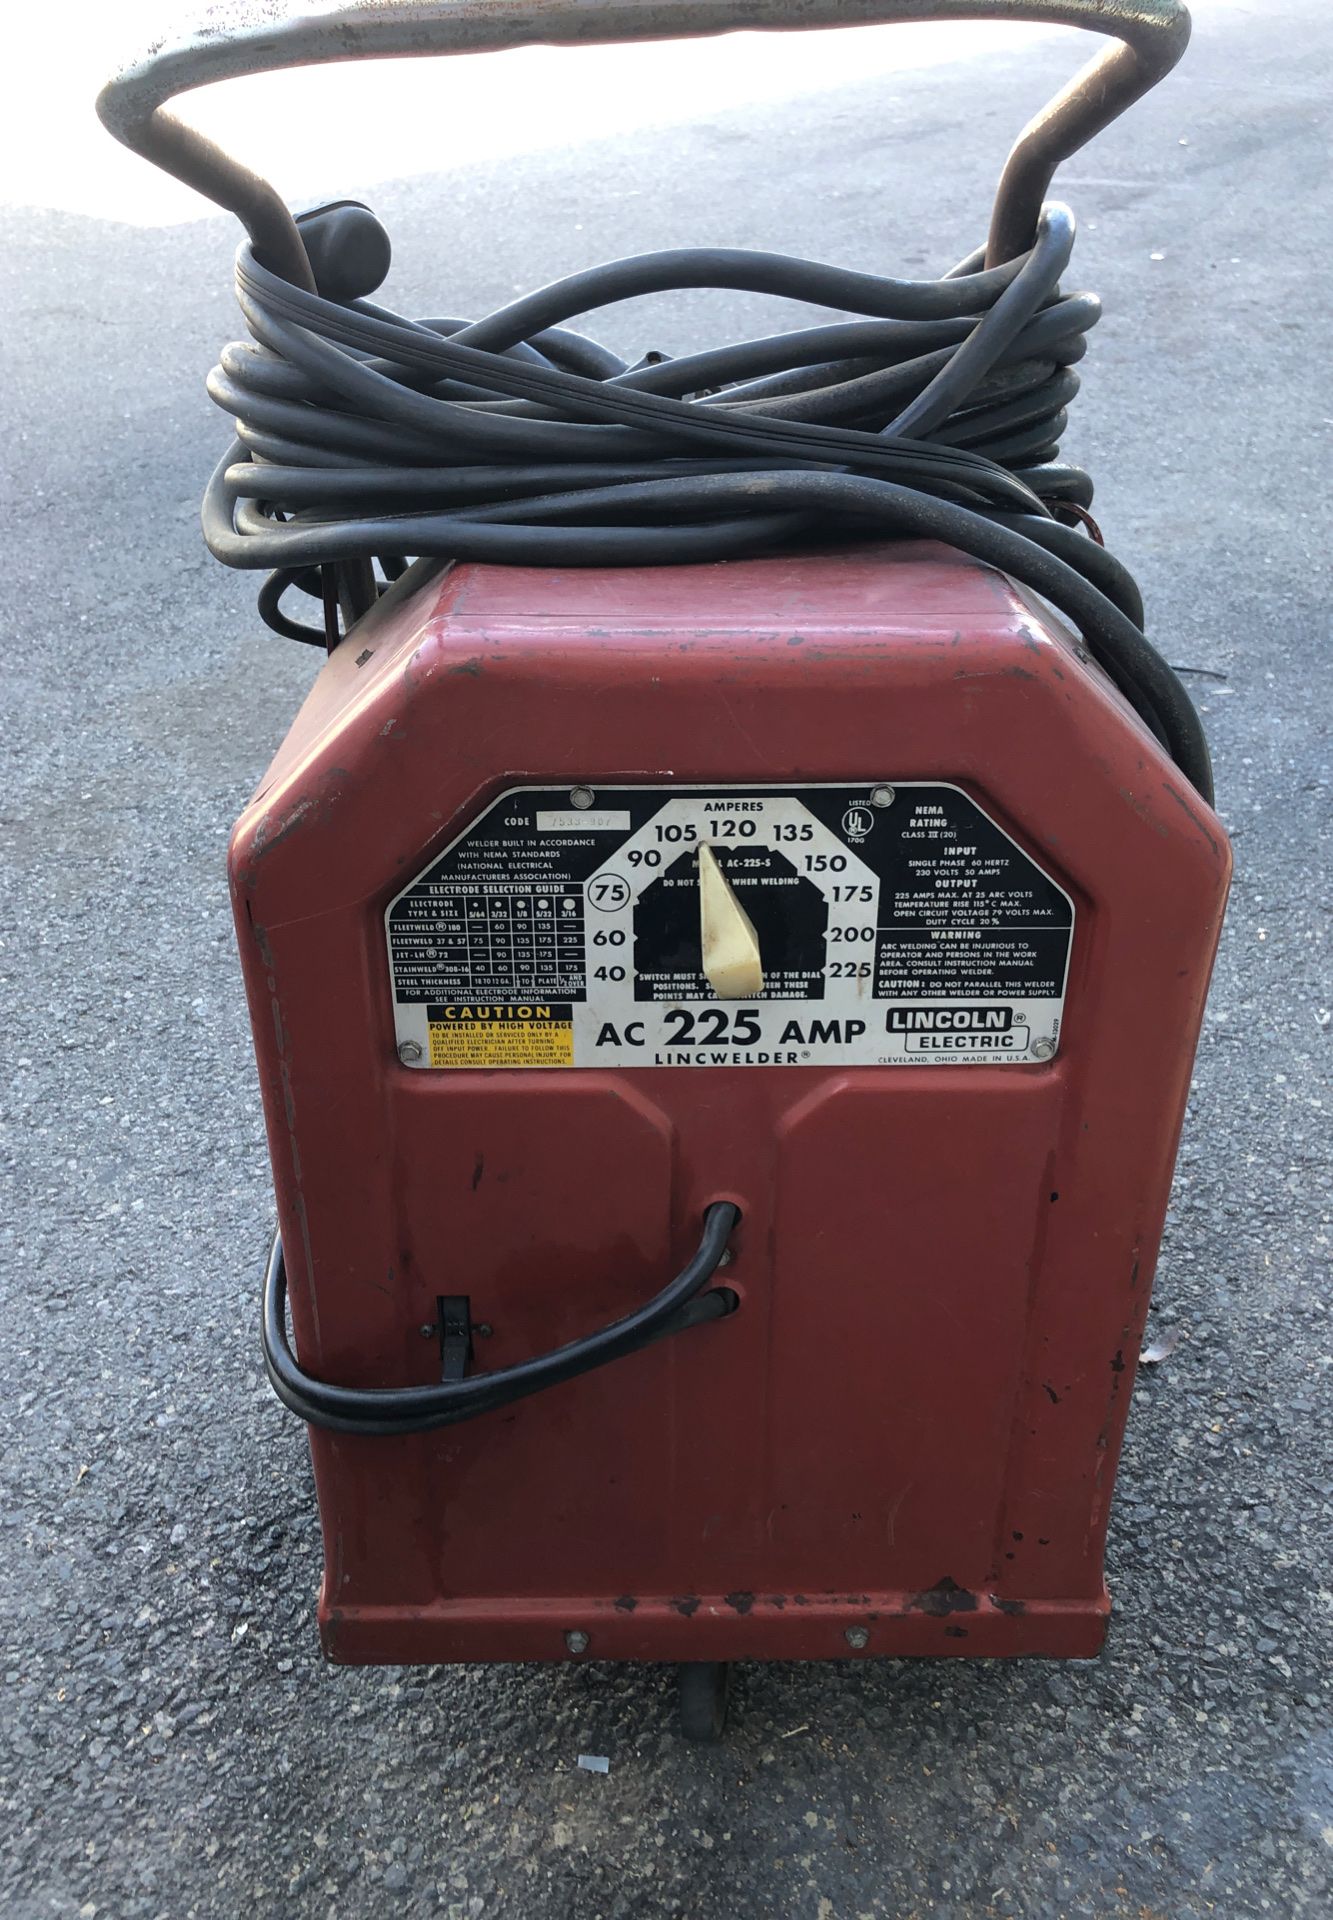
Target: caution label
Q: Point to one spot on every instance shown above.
(894, 923)
(484, 1035)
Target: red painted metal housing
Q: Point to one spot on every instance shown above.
(912, 1424)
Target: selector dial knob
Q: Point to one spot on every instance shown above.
(731, 960)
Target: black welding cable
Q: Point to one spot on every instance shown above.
(1021, 301)
(273, 307)
(1109, 575)
(741, 271)
(937, 411)
(604, 419)
(338, 484)
(715, 512)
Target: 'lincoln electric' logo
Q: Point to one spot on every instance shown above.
(950, 1019)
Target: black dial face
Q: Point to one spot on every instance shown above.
(788, 912)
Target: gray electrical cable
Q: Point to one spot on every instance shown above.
(514, 439)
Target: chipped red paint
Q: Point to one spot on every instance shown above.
(529, 1627)
(913, 1422)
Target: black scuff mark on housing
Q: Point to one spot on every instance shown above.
(945, 1597)
(1192, 816)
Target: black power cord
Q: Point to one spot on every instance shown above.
(362, 435)
(681, 1304)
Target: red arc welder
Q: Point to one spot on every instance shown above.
(726, 934)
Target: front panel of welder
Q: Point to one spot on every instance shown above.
(764, 950)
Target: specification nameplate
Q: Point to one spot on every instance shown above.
(890, 925)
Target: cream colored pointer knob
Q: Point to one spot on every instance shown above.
(730, 945)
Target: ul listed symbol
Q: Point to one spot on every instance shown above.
(857, 822)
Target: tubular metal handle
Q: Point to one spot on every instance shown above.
(241, 39)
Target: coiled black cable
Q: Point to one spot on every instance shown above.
(362, 435)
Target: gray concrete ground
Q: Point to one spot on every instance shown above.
(170, 1744)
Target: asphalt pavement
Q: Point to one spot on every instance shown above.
(170, 1744)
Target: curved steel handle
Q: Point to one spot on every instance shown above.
(682, 1303)
(246, 39)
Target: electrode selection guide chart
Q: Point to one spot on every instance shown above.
(889, 924)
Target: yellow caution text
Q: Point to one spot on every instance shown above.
(509, 1036)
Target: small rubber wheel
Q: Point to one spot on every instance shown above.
(705, 1694)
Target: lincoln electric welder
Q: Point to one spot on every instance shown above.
(727, 932)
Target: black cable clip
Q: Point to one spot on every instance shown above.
(455, 1325)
